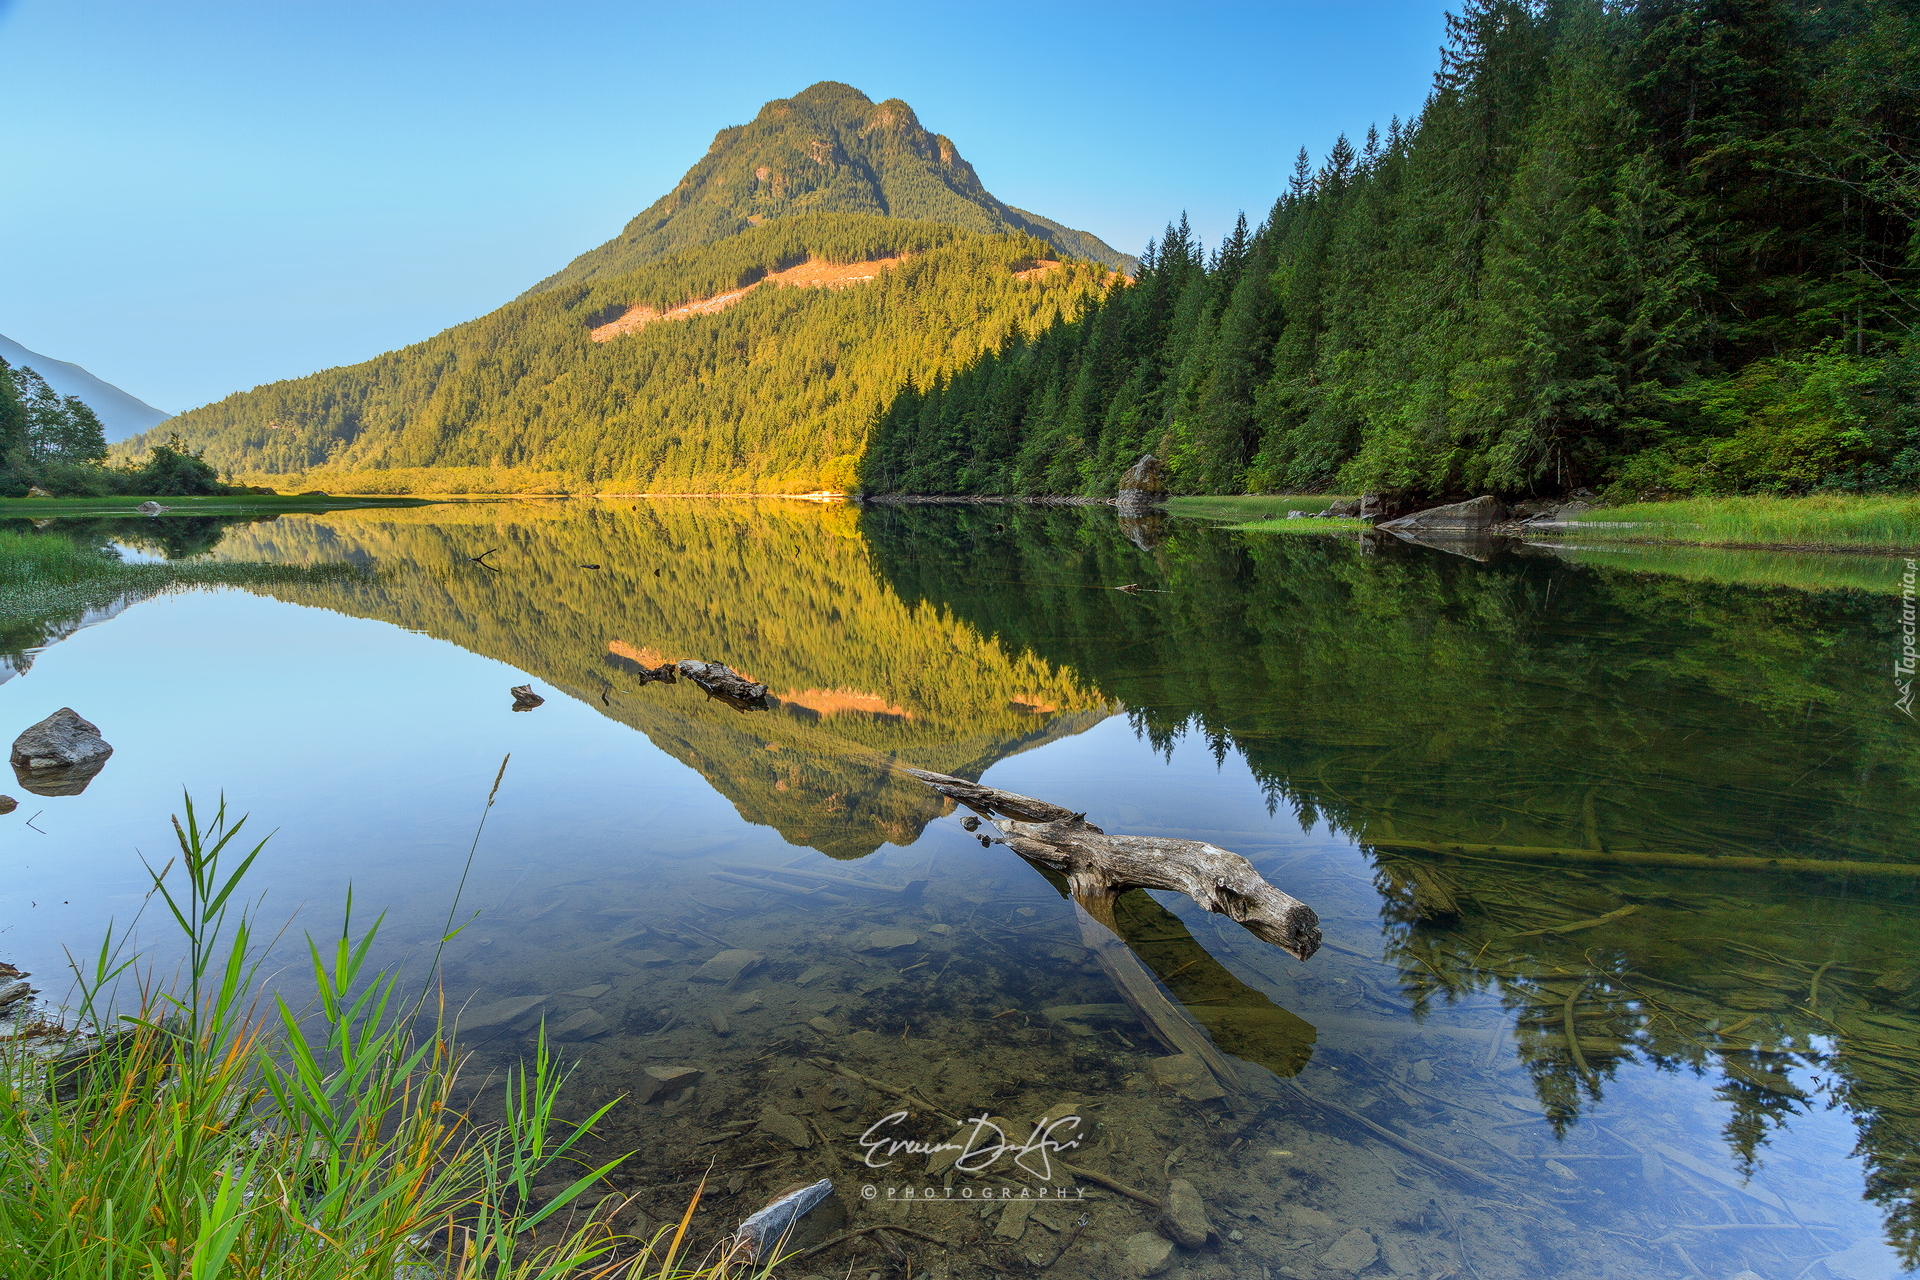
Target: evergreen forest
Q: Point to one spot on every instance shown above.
(1656, 248)
(775, 392)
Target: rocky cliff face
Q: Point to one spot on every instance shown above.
(829, 149)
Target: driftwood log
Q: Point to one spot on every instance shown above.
(1099, 868)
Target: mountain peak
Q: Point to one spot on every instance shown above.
(827, 149)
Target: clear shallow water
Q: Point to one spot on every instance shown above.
(1371, 727)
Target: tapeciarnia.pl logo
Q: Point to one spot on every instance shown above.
(1904, 665)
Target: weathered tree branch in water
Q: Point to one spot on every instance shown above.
(1099, 866)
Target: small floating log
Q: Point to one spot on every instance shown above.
(722, 681)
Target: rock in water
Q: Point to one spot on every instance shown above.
(1185, 1216)
(1148, 1254)
(524, 698)
(727, 966)
(8, 804)
(1352, 1253)
(62, 739)
(584, 1025)
(657, 1083)
(151, 508)
(60, 755)
(499, 1013)
(789, 1129)
(1143, 487)
(1472, 517)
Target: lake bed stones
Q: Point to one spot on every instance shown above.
(728, 965)
(657, 1084)
(1148, 1254)
(498, 1013)
(1352, 1253)
(584, 1025)
(1185, 1214)
(789, 1129)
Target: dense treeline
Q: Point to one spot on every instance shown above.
(1664, 246)
(56, 444)
(776, 392)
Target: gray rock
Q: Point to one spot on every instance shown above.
(497, 1014)
(1307, 1219)
(584, 1025)
(789, 1129)
(1342, 510)
(13, 992)
(1185, 1215)
(1144, 486)
(657, 1083)
(1148, 1254)
(62, 740)
(151, 508)
(593, 992)
(1399, 1258)
(718, 1021)
(727, 966)
(8, 804)
(1013, 1219)
(1352, 1253)
(1480, 513)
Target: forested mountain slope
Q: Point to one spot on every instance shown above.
(1666, 246)
(763, 388)
(828, 149)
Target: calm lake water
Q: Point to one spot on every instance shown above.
(1546, 1036)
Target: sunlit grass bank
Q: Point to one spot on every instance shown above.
(216, 1130)
(1256, 508)
(1881, 522)
(121, 504)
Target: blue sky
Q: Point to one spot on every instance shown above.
(205, 196)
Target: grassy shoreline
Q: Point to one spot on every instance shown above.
(1879, 524)
(205, 1128)
(127, 505)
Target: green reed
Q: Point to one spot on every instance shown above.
(217, 1132)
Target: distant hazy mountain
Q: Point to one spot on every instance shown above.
(828, 149)
(122, 415)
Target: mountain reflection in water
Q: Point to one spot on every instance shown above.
(1605, 1047)
(784, 593)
